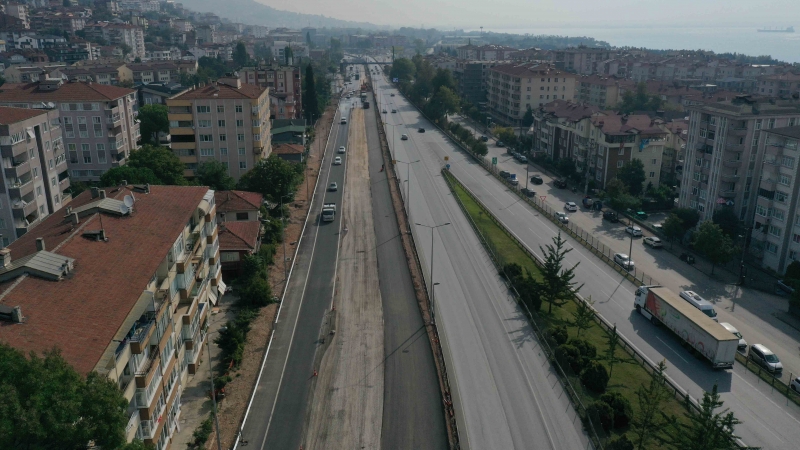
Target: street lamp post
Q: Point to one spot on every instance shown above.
(391, 148)
(432, 227)
(408, 179)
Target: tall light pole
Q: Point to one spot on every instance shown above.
(408, 178)
(432, 227)
(283, 232)
(391, 148)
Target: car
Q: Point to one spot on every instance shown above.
(500, 144)
(484, 139)
(333, 186)
(337, 161)
(561, 184)
(795, 385)
(537, 179)
(505, 174)
(571, 206)
(611, 216)
(528, 192)
(523, 159)
(562, 217)
(384, 111)
(700, 303)
(512, 178)
(633, 230)
(394, 111)
(742, 343)
(421, 130)
(344, 121)
(404, 137)
(653, 242)
(764, 357)
(624, 260)
(392, 94)
(341, 149)
(641, 215)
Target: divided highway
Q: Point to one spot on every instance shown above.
(471, 298)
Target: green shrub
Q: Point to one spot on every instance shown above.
(587, 350)
(201, 434)
(595, 377)
(255, 293)
(221, 382)
(621, 407)
(620, 443)
(559, 334)
(567, 355)
(600, 414)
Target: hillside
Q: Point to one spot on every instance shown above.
(254, 13)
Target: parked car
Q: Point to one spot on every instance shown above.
(333, 186)
(562, 217)
(392, 94)
(611, 216)
(735, 332)
(795, 385)
(384, 111)
(571, 206)
(537, 179)
(523, 159)
(641, 215)
(500, 144)
(527, 192)
(341, 149)
(700, 303)
(513, 179)
(404, 137)
(624, 260)
(505, 174)
(484, 139)
(633, 230)
(765, 358)
(337, 161)
(561, 184)
(394, 111)
(653, 242)
(421, 130)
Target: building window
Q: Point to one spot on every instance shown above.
(761, 211)
(655, 161)
(787, 161)
(223, 137)
(223, 151)
(53, 181)
(206, 152)
(38, 191)
(780, 196)
(702, 132)
(243, 164)
(203, 109)
(221, 123)
(240, 137)
(652, 174)
(620, 164)
(257, 137)
(242, 216)
(241, 151)
(220, 108)
(87, 157)
(796, 238)
(785, 180)
(238, 108)
(775, 231)
(621, 151)
(204, 123)
(770, 247)
(778, 214)
(239, 122)
(206, 137)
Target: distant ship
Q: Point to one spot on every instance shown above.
(776, 30)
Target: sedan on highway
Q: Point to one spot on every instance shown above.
(653, 242)
(404, 137)
(384, 111)
(624, 260)
(537, 179)
(392, 94)
(394, 111)
(570, 206)
(341, 149)
(421, 130)
(634, 231)
(337, 161)
(562, 217)
(333, 186)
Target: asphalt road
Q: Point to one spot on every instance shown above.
(504, 391)
(768, 421)
(413, 415)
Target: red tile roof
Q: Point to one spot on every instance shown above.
(81, 314)
(14, 115)
(570, 111)
(242, 236)
(75, 91)
(287, 149)
(614, 124)
(531, 69)
(228, 201)
(223, 91)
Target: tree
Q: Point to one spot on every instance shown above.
(310, 97)
(403, 69)
(706, 429)
(583, 316)
(615, 188)
(162, 161)
(272, 177)
(650, 422)
(639, 100)
(527, 119)
(710, 241)
(240, 56)
(633, 176)
(673, 228)
(132, 175)
(126, 49)
(689, 216)
(153, 119)
(557, 286)
(419, 46)
(214, 174)
(443, 102)
(611, 350)
(46, 404)
(505, 134)
(443, 78)
(728, 221)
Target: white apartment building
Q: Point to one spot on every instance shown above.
(513, 88)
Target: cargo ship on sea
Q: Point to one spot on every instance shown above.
(776, 30)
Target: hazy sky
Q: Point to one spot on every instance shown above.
(525, 14)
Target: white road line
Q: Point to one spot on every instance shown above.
(768, 399)
(672, 349)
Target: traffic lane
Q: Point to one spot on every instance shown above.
(613, 297)
(288, 419)
(413, 415)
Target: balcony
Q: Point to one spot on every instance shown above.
(739, 131)
(732, 163)
(147, 369)
(142, 332)
(729, 177)
(734, 147)
(727, 194)
(23, 207)
(15, 168)
(22, 185)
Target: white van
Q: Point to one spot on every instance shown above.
(732, 329)
(700, 303)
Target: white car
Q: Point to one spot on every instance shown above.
(571, 206)
(653, 242)
(341, 149)
(795, 385)
(337, 161)
(562, 217)
(634, 231)
(333, 186)
(624, 260)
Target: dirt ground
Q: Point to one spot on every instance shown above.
(347, 406)
(238, 391)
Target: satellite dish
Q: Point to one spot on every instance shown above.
(128, 200)
(123, 209)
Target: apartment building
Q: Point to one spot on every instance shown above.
(100, 129)
(35, 174)
(471, 77)
(775, 238)
(581, 60)
(19, 11)
(108, 74)
(118, 34)
(227, 121)
(674, 151)
(66, 21)
(285, 88)
(513, 88)
(786, 85)
(27, 73)
(137, 317)
(617, 139)
(722, 152)
(489, 52)
(600, 91)
(560, 129)
(155, 72)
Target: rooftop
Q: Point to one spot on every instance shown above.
(526, 70)
(573, 112)
(615, 124)
(223, 91)
(287, 149)
(237, 200)
(239, 235)
(84, 311)
(76, 91)
(790, 132)
(13, 115)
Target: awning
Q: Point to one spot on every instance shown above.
(212, 297)
(221, 287)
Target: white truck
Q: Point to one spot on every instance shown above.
(694, 328)
(328, 212)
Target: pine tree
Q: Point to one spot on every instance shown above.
(310, 100)
(557, 285)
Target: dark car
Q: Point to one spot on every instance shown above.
(561, 184)
(528, 192)
(484, 139)
(611, 216)
(421, 130)
(500, 144)
(537, 179)
(505, 173)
